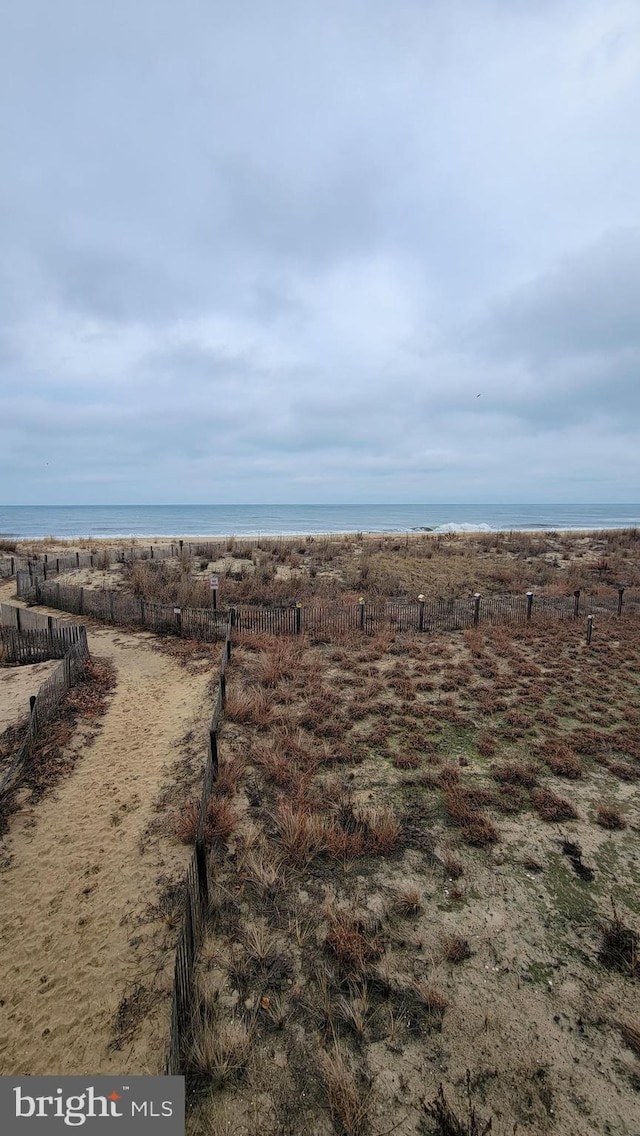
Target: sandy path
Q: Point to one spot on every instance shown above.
(73, 936)
(17, 684)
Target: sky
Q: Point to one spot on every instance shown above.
(331, 251)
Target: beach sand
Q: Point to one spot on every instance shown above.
(82, 873)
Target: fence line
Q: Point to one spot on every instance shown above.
(196, 893)
(423, 615)
(46, 566)
(44, 704)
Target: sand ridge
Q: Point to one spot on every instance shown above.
(74, 936)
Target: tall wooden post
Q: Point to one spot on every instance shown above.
(589, 628)
(529, 605)
(620, 595)
(421, 613)
(298, 617)
(476, 609)
(576, 603)
(361, 615)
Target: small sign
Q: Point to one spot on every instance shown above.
(213, 583)
(176, 611)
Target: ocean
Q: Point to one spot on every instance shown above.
(69, 521)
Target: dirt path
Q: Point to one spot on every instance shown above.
(74, 936)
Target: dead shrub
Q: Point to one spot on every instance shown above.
(220, 821)
(623, 770)
(619, 947)
(406, 760)
(476, 828)
(631, 1035)
(486, 744)
(516, 773)
(452, 866)
(185, 824)
(448, 1123)
(608, 817)
(456, 949)
(562, 760)
(230, 772)
(353, 941)
(550, 807)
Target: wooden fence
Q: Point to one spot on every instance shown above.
(47, 566)
(44, 704)
(196, 894)
(324, 620)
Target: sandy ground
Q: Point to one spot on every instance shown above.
(81, 871)
(16, 686)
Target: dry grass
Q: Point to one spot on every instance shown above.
(220, 821)
(301, 834)
(185, 823)
(353, 941)
(409, 902)
(631, 1035)
(550, 807)
(219, 1050)
(456, 949)
(349, 1105)
(446, 1122)
(608, 817)
(619, 947)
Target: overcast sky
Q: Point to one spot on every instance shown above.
(263, 252)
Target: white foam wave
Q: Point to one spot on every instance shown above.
(471, 527)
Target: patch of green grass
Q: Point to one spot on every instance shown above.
(572, 899)
(540, 972)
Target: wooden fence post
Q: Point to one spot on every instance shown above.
(476, 609)
(620, 595)
(12, 566)
(178, 614)
(111, 611)
(529, 605)
(298, 617)
(589, 628)
(77, 559)
(81, 602)
(213, 747)
(18, 620)
(33, 714)
(421, 613)
(201, 865)
(361, 615)
(576, 603)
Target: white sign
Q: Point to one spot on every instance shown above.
(176, 611)
(213, 582)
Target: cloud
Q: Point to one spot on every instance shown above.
(263, 252)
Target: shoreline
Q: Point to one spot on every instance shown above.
(361, 534)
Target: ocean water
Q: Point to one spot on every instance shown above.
(68, 521)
